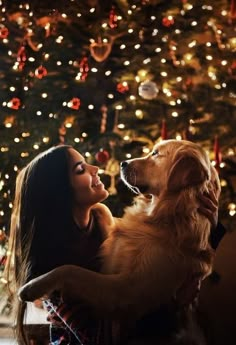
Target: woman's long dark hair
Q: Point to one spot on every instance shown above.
(40, 223)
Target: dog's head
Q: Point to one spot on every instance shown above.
(172, 165)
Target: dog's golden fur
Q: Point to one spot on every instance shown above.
(161, 240)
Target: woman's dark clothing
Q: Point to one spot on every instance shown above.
(72, 324)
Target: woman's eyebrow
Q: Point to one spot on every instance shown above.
(76, 164)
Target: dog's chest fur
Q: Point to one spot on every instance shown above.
(130, 245)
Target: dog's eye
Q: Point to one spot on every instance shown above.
(155, 152)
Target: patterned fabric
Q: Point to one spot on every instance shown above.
(67, 327)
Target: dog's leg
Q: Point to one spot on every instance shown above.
(113, 294)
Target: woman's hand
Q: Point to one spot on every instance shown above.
(209, 207)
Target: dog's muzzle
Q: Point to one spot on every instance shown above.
(124, 171)
(128, 176)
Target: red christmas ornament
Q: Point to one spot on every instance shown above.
(122, 87)
(112, 18)
(21, 57)
(2, 236)
(14, 103)
(168, 21)
(75, 103)
(40, 72)
(3, 260)
(217, 154)
(163, 130)
(4, 32)
(233, 9)
(84, 68)
(232, 68)
(102, 156)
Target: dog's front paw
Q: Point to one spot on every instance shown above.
(40, 287)
(29, 293)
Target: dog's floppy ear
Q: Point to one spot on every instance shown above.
(187, 171)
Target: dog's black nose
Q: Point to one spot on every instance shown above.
(124, 164)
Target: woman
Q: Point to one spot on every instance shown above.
(52, 222)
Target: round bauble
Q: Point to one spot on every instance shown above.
(148, 90)
(102, 156)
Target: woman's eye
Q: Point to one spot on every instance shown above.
(80, 169)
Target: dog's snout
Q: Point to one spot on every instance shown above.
(123, 164)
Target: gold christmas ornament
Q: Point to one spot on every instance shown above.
(112, 169)
(101, 49)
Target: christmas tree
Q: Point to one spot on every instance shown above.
(111, 78)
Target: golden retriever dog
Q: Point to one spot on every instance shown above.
(160, 242)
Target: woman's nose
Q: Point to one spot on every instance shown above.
(94, 169)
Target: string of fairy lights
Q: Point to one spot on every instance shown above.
(139, 86)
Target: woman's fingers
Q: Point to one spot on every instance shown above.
(209, 200)
(209, 207)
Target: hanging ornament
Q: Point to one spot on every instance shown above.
(148, 90)
(3, 260)
(116, 121)
(69, 121)
(3, 236)
(233, 9)
(104, 119)
(30, 43)
(4, 32)
(112, 169)
(172, 49)
(232, 68)
(217, 154)
(112, 18)
(9, 121)
(168, 21)
(21, 57)
(100, 50)
(163, 130)
(74, 103)
(122, 87)
(102, 156)
(51, 21)
(83, 68)
(14, 103)
(62, 134)
(40, 72)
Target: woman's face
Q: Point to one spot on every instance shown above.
(86, 184)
